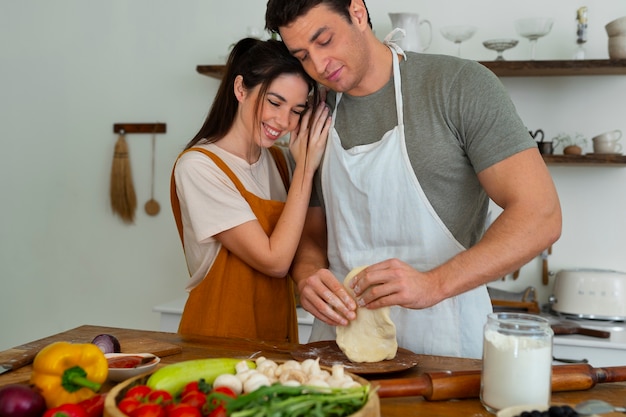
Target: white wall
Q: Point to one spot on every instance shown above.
(72, 68)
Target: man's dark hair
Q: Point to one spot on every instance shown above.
(282, 12)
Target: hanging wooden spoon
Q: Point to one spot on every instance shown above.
(152, 206)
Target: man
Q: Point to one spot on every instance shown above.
(418, 146)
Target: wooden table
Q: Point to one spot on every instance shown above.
(201, 347)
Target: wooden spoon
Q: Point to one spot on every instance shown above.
(152, 206)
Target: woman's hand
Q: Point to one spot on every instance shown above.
(308, 141)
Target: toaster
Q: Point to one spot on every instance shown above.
(590, 293)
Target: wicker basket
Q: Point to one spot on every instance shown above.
(370, 409)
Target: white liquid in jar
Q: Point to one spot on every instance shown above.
(517, 370)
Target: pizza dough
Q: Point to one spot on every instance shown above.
(371, 337)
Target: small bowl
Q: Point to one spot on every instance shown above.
(500, 45)
(617, 47)
(122, 374)
(616, 27)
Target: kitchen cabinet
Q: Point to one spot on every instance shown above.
(532, 69)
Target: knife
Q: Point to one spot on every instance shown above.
(20, 360)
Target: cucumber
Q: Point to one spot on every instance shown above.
(174, 377)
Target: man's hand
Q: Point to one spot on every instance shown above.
(393, 282)
(322, 295)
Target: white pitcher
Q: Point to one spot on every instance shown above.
(412, 41)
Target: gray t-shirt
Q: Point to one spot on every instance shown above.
(458, 119)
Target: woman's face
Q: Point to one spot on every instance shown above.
(279, 110)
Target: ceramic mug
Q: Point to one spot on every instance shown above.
(607, 142)
(545, 148)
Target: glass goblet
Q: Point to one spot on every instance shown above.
(500, 45)
(458, 34)
(533, 28)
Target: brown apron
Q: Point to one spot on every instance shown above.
(235, 300)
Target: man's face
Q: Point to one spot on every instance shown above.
(331, 49)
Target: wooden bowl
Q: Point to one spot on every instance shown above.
(370, 409)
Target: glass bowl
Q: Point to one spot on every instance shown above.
(534, 28)
(459, 33)
(500, 45)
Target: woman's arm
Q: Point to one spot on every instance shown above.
(273, 254)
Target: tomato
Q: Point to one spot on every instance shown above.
(138, 391)
(127, 405)
(148, 410)
(194, 398)
(159, 396)
(184, 410)
(216, 400)
(169, 406)
(218, 412)
(226, 390)
(190, 387)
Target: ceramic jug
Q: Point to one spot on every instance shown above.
(412, 41)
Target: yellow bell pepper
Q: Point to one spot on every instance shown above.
(69, 372)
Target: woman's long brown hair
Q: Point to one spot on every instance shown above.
(259, 63)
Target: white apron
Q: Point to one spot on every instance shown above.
(376, 210)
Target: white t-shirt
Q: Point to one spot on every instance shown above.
(210, 203)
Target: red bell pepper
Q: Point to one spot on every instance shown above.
(94, 406)
(91, 407)
(66, 410)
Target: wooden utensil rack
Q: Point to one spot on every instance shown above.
(120, 128)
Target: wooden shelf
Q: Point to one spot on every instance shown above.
(513, 68)
(213, 71)
(557, 68)
(588, 159)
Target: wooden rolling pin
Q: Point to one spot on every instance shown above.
(435, 386)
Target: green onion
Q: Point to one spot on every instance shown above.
(284, 401)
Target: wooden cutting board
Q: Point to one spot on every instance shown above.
(146, 345)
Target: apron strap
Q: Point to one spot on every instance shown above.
(390, 41)
(279, 160)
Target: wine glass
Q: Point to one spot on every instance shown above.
(458, 34)
(500, 45)
(533, 28)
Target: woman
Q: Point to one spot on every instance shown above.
(239, 220)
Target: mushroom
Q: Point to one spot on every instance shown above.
(230, 381)
(293, 375)
(255, 382)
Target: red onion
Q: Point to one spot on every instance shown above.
(20, 400)
(107, 343)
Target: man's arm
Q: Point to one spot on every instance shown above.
(321, 293)
(529, 223)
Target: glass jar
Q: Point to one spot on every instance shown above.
(517, 361)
